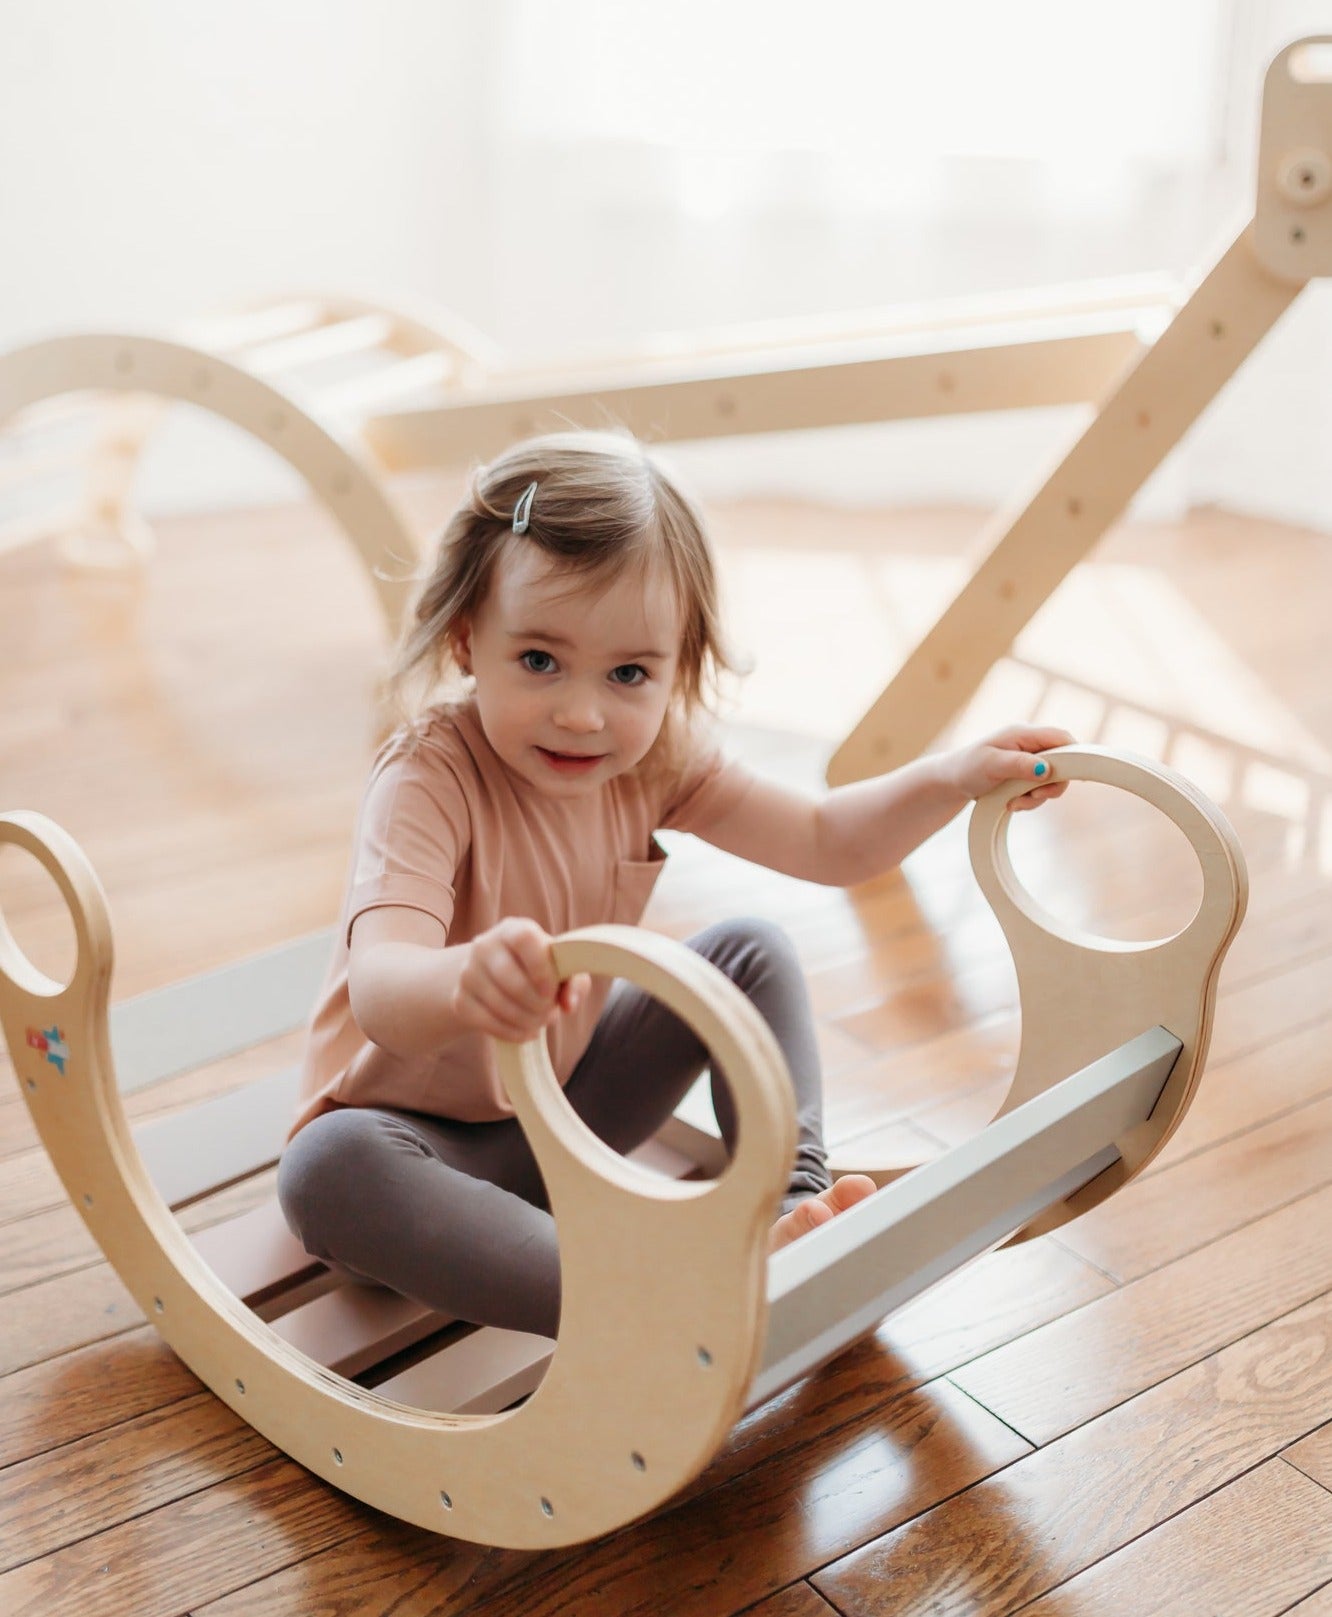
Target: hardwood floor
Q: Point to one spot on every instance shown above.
(1130, 1417)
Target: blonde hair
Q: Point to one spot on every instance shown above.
(601, 505)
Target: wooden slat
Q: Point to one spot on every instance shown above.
(481, 1375)
(892, 378)
(1092, 1492)
(353, 1327)
(1253, 1547)
(204, 1018)
(191, 1153)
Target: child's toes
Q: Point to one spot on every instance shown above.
(803, 1217)
(848, 1190)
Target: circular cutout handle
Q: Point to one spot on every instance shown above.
(67, 865)
(726, 1022)
(1209, 833)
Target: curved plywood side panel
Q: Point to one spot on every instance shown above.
(663, 1283)
(340, 474)
(1083, 996)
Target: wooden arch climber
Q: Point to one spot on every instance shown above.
(266, 371)
(515, 1441)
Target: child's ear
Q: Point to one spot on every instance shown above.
(460, 646)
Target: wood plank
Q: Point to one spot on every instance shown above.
(800, 1600)
(1234, 1096)
(70, 1493)
(392, 1568)
(71, 1311)
(1090, 1493)
(48, 1244)
(1249, 1550)
(82, 1392)
(189, 1552)
(725, 1547)
(1155, 1219)
(1314, 1455)
(1077, 1367)
(1319, 1605)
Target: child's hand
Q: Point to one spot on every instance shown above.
(1007, 755)
(508, 988)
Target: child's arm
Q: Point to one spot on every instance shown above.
(411, 992)
(857, 831)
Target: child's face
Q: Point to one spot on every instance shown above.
(572, 685)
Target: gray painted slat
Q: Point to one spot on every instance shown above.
(840, 1280)
(202, 1019)
(204, 1147)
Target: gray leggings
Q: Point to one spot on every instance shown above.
(454, 1214)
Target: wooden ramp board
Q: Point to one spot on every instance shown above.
(839, 1281)
(205, 1018)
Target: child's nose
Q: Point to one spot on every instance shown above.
(581, 714)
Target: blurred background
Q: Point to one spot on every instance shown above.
(570, 175)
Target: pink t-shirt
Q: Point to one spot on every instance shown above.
(447, 828)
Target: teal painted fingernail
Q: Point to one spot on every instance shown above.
(1040, 769)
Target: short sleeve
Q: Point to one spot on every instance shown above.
(411, 838)
(709, 786)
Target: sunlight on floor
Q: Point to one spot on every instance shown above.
(1118, 656)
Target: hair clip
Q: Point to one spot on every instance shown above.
(522, 512)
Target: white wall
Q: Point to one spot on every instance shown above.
(157, 160)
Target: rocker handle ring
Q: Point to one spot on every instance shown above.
(731, 1029)
(1208, 832)
(1081, 995)
(67, 865)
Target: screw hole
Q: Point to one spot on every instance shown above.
(87, 1199)
(1218, 330)
(1075, 508)
(1297, 234)
(32, 1083)
(704, 1357)
(637, 1461)
(159, 1305)
(547, 1509)
(445, 1500)
(337, 1456)
(240, 1386)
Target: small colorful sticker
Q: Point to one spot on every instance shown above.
(52, 1041)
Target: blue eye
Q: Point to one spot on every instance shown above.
(629, 674)
(537, 662)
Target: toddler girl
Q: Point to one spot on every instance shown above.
(575, 590)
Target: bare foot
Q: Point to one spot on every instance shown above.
(815, 1210)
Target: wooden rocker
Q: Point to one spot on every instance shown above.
(515, 1441)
